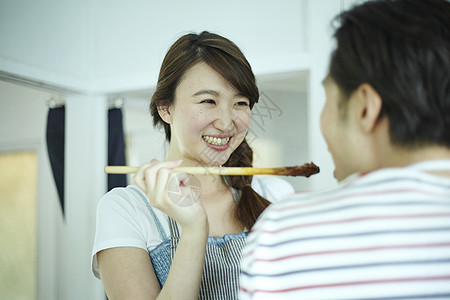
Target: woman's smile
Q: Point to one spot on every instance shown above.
(219, 143)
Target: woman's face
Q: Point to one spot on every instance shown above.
(208, 118)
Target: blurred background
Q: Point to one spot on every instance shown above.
(86, 58)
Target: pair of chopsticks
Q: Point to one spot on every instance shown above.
(306, 170)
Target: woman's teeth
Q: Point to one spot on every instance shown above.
(216, 141)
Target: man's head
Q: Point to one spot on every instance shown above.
(399, 50)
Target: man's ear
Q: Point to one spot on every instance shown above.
(370, 108)
(164, 113)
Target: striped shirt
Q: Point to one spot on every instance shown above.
(379, 235)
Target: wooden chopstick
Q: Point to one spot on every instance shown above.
(306, 170)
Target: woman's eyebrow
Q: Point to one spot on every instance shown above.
(213, 93)
(206, 92)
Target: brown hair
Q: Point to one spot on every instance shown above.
(226, 59)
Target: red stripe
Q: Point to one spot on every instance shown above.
(256, 231)
(387, 247)
(357, 220)
(383, 281)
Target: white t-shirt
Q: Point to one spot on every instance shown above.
(124, 219)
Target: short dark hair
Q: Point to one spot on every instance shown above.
(402, 49)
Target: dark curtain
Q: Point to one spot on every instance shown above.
(116, 148)
(55, 147)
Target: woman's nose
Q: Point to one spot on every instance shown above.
(224, 119)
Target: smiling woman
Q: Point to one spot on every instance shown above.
(203, 100)
(194, 111)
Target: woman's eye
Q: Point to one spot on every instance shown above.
(210, 101)
(242, 103)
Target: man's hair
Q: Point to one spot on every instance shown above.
(402, 49)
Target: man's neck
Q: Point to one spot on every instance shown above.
(403, 157)
(399, 157)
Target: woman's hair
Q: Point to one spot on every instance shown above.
(406, 58)
(225, 58)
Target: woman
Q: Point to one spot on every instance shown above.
(203, 98)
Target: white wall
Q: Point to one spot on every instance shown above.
(106, 46)
(85, 183)
(320, 46)
(136, 37)
(281, 134)
(47, 40)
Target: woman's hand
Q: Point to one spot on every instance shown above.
(171, 193)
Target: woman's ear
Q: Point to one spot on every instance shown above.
(164, 113)
(371, 104)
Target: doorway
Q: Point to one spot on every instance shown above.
(18, 225)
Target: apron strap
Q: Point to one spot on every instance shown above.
(144, 198)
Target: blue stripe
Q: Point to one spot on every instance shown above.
(338, 236)
(364, 204)
(373, 265)
(356, 185)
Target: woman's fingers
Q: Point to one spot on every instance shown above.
(140, 176)
(176, 194)
(160, 188)
(152, 178)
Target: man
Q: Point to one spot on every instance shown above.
(384, 232)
